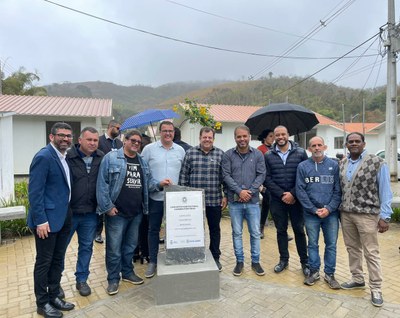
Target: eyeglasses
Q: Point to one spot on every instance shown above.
(135, 141)
(167, 131)
(62, 136)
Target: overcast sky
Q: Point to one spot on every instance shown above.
(63, 45)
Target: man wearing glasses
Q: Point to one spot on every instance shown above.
(123, 184)
(49, 218)
(165, 159)
(108, 142)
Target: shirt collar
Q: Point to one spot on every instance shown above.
(359, 158)
(279, 150)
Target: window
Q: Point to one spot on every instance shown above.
(339, 142)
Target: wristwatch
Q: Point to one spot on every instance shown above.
(387, 220)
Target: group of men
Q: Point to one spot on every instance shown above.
(71, 185)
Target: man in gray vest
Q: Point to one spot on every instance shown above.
(365, 211)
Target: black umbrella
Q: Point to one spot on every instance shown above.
(295, 118)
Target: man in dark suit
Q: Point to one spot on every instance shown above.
(49, 219)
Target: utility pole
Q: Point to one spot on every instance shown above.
(393, 46)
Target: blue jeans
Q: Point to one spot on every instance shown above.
(251, 212)
(330, 228)
(156, 213)
(85, 227)
(122, 238)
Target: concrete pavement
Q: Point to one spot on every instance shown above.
(272, 295)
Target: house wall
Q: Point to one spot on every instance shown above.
(225, 140)
(6, 152)
(30, 136)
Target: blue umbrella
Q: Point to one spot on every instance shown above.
(148, 117)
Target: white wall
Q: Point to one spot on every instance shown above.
(6, 154)
(225, 140)
(30, 136)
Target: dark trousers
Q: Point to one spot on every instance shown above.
(142, 249)
(213, 214)
(265, 207)
(50, 254)
(100, 224)
(281, 212)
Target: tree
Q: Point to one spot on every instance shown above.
(21, 83)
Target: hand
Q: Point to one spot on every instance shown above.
(322, 213)
(288, 198)
(224, 203)
(382, 226)
(112, 212)
(166, 182)
(245, 196)
(43, 230)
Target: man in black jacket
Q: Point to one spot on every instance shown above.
(281, 163)
(108, 142)
(84, 162)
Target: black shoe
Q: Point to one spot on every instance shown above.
(281, 266)
(99, 239)
(256, 267)
(218, 264)
(306, 270)
(61, 293)
(83, 288)
(133, 279)
(237, 271)
(48, 311)
(112, 288)
(61, 304)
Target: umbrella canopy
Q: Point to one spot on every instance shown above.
(148, 117)
(295, 118)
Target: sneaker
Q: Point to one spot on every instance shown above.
(218, 264)
(237, 271)
(376, 298)
(151, 270)
(99, 239)
(312, 278)
(306, 270)
(256, 267)
(332, 282)
(112, 288)
(83, 288)
(352, 285)
(133, 279)
(280, 267)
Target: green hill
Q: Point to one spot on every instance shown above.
(324, 98)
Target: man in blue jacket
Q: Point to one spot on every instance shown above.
(318, 190)
(123, 184)
(49, 218)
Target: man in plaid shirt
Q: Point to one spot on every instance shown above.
(201, 168)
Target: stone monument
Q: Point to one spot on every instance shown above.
(186, 271)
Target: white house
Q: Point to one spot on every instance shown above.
(25, 123)
(233, 115)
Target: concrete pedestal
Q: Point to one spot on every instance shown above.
(188, 282)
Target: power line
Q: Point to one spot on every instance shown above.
(253, 24)
(322, 24)
(190, 42)
(325, 67)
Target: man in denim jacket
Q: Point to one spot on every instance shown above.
(123, 184)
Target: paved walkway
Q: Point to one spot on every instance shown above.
(274, 295)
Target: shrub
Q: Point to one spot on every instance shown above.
(396, 215)
(12, 228)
